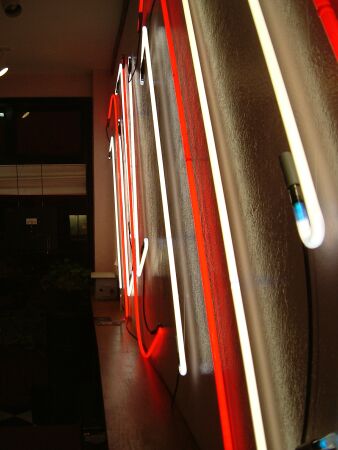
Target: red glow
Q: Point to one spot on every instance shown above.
(140, 16)
(110, 108)
(329, 21)
(144, 352)
(215, 348)
(120, 187)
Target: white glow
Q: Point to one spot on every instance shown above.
(296, 146)
(119, 73)
(249, 369)
(178, 321)
(139, 263)
(112, 151)
(24, 115)
(125, 228)
(3, 71)
(2, 114)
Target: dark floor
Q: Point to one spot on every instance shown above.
(49, 373)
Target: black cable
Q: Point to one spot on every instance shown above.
(150, 15)
(310, 344)
(130, 332)
(139, 41)
(159, 325)
(107, 134)
(173, 397)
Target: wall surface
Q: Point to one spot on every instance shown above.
(104, 229)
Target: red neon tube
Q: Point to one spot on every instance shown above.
(215, 349)
(329, 21)
(140, 15)
(119, 183)
(110, 109)
(144, 352)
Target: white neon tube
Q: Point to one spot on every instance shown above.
(124, 186)
(130, 284)
(313, 237)
(139, 263)
(242, 327)
(112, 152)
(119, 73)
(172, 268)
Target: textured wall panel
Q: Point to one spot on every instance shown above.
(249, 138)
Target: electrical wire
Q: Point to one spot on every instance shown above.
(174, 394)
(159, 325)
(310, 344)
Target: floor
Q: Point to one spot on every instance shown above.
(138, 410)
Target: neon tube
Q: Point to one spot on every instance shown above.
(112, 150)
(329, 21)
(317, 226)
(144, 352)
(125, 281)
(145, 52)
(125, 228)
(139, 263)
(243, 333)
(214, 342)
(125, 187)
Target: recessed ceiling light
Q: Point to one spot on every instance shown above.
(2, 114)
(3, 71)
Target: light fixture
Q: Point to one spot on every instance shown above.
(145, 58)
(112, 152)
(139, 262)
(3, 61)
(317, 225)
(243, 333)
(24, 115)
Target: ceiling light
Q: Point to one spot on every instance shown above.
(24, 115)
(3, 61)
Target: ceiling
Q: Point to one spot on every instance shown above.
(62, 36)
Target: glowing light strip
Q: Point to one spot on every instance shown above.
(124, 214)
(178, 321)
(112, 150)
(119, 73)
(316, 237)
(243, 333)
(124, 188)
(144, 352)
(125, 279)
(224, 413)
(139, 263)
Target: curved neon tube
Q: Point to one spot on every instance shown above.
(243, 333)
(313, 236)
(139, 262)
(112, 151)
(145, 52)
